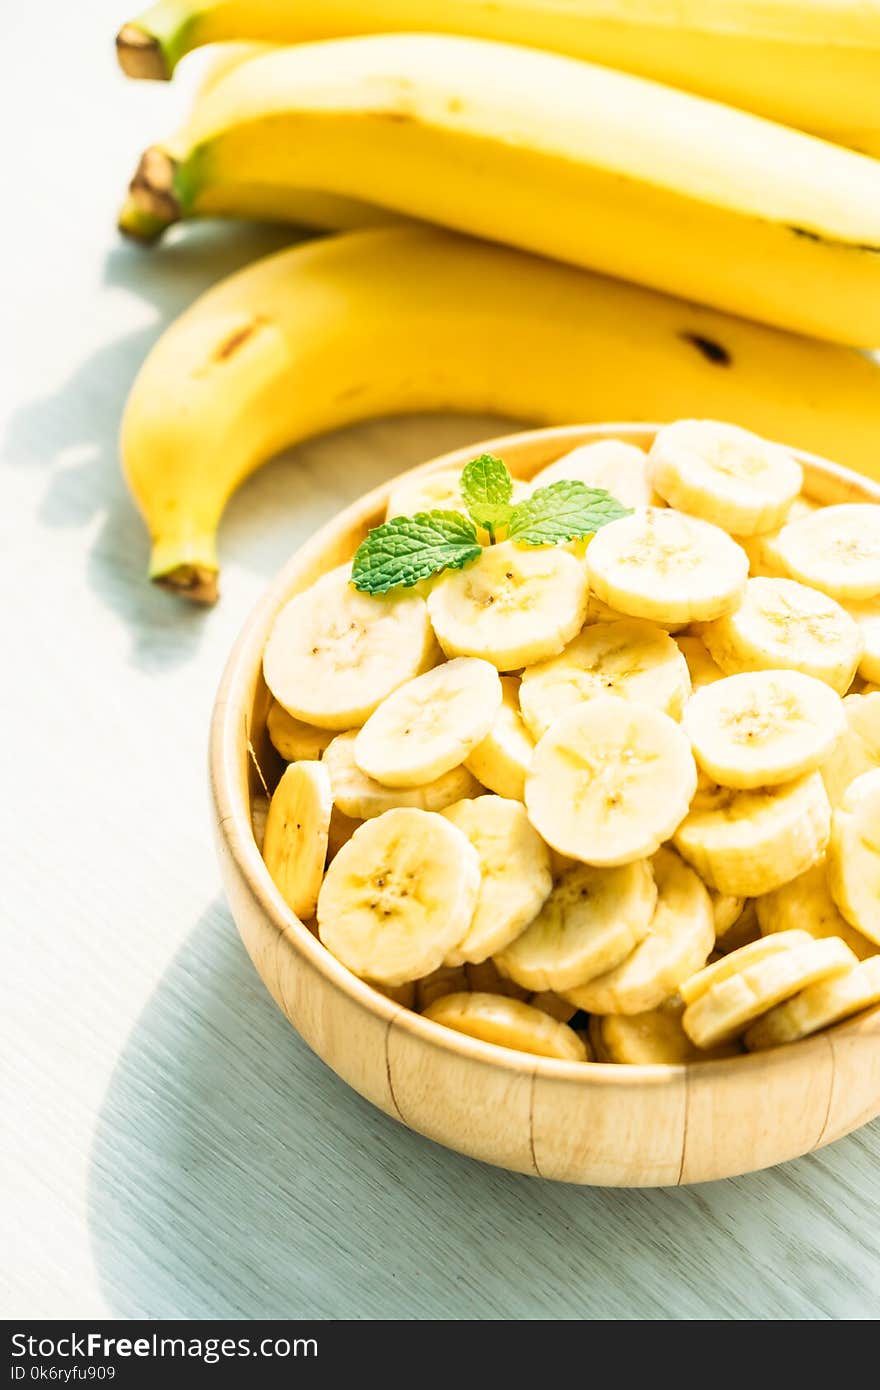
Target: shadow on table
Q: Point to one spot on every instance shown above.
(233, 1175)
(84, 479)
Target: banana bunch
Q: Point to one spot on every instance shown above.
(554, 837)
(813, 65)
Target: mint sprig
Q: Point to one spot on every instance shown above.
(407, 549)
(487, 489)
(564, 511)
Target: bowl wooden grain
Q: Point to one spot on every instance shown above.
(609, 1125)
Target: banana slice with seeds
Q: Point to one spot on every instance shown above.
(508, 1023)
(681, 935)
(858, 748)
(763, 727)
(749, 842)
(667, 567)
(653, 1038)
(294, 740)
(736, 961)
(513, 606)
(866, 615)
(701, 667)
(818, 1007)
(515, 869)
(295, 838)
(430, 724)
(727, 1008)
(836, 549)
(724, 474)
(591, 921)
(610, 781)
(502, 760)
(783, 625)
(362, 797)
(399, 896)
(334, 654)
(618, 468)
(806, 903)
(854, 855)
(628, 658)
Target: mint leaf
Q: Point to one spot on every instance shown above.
(405, 549)
(487, 488)
(563, 511)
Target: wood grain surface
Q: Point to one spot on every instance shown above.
(170, 1147)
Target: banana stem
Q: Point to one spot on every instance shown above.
(152, 204)
(152, 45)
(140, 54)
(188, 566)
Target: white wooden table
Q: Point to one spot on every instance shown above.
(171, 1148)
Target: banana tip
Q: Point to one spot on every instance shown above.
(140, 54)
(152, 204)
(197, 583)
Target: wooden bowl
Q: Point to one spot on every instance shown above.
(620, 1126)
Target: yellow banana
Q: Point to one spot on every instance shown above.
(144, 213)
(814, 64)
(596, 168)
(400, 319)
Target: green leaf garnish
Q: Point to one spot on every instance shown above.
(487, 488)
(405, 549)
(563, 511)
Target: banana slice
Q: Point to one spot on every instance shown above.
(399, 896)
(726, 909)
(806, 903)
(621, 469)
(361, 797)
(724, 474)
(653, 1038)
(763, 727)
(508, 1023)
(446, 979)
(666, 566)
(836, 549)
(701, 668)
(502, 760)
(610, 781)
(591, 921)
(744, 930)
(430, 724)
(866, 615)
(818, 1007)
(749, 842)
(681, 935)
(295, 838)
(342, 827)
(334, 654)
(854, 855)
(737, 961)
(629, 658)
(783, 625)
(515, 869)
(729, 1006)
(259, 813)
(513, 606)
(484, 977)
(858, 748)
(294, 740)
(554, 1005)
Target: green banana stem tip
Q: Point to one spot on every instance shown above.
(140, 54)
(152, 204)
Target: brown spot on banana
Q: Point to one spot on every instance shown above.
(140, 55)
(711, 349)
(809, 235)
(237, 339)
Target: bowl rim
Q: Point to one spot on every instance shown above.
(233, 818)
